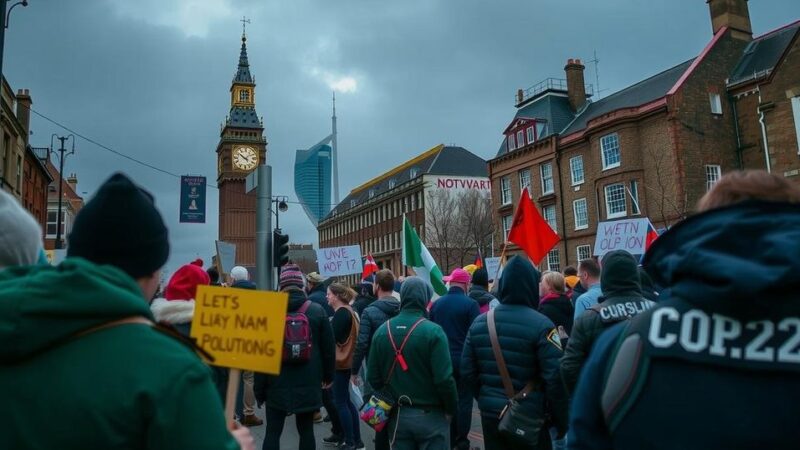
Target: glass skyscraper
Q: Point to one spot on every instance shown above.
(312, 180)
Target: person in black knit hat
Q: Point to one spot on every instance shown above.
(121, 227)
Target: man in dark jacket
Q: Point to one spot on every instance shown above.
(317, 292)
(375, 315)
(718, 346)
(621, 300)
(366, 295)
(531, 349)
(426, 391)
(479, 291)
(455, 312)
(297, 389)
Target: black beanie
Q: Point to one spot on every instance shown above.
(480, 277)
(619, 276)
(121, 226)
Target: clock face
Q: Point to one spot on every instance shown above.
(245, 158)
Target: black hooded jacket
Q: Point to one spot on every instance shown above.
(622, 299)
(529, 343)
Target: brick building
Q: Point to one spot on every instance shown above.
(70, 205)
(372, 214)
(649, 150)
(36, 181)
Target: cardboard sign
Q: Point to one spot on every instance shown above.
(492, 264)
(629, 235)
(241, 328)
(338, 261)
(226, 255)
(193, 199)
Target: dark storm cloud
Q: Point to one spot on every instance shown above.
(151, 78)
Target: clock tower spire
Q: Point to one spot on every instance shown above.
(242, 147)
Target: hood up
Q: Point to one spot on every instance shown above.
(415, 293)
(41, 306)
(745, 253)
(620, 275)
(519, 283)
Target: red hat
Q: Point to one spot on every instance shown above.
(183, 283)
(458, 275)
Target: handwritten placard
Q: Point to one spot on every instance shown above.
(493, 268)
(241, 328)
(628, 235)
(338, 261)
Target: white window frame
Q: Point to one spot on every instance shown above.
(413, 172)
(606, 145)
(554, 260)
(634, 191)
(505, 190)
(392, 183)
(531, 134)
(54, 224)
(796, 113)
(547, 178)
(550, 218)
(572, 170)
(511, 142)
(713, 174)
(586, 247)
(521, 138)
(522, 182)
(581, 225)
(371, 193)
(614, 215)
(507, 220)
(352, 203)
(716, 103)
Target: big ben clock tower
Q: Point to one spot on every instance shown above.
(242, 147)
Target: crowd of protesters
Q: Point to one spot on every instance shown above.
(693, 346)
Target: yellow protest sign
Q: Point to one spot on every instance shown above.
(241, 328)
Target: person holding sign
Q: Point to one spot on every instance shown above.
(304, 373)
(345, 331)
(83, 365)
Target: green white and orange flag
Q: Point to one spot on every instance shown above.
(417, 256)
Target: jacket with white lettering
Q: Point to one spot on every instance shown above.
(622, 300)
(717, 363)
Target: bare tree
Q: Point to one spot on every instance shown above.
(665, 188)
(475, 222)
(441, 226)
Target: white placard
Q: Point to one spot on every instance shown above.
(629, 235)
(338, 261)
(492, 264)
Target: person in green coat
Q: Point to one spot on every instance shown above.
(72, 378)
(422, 382)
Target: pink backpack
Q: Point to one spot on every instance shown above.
(297, 341)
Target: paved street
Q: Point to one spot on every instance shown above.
(289, 439)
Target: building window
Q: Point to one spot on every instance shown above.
(531, 136)
(716, 103)
(507, 221)
(584, 252)
(19, 173)
(549, 215)
(521, 138)
(553, 261)
(540, 129)
(505, 190)
(413, 202)
(713, 174)
(413, 172)
(609, 146)
(371, 193)
(576, 170)
(546, 170)
(525, 180)
(511, 145)
(581, 215)
(392, 183)
(796, 112)
(352, 203)
(52, 224)
(635, 198)
(615, 201)
(244, 95)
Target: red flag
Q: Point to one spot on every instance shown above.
(369, 267)
(530, 231)
(478, 260)
(652, 235)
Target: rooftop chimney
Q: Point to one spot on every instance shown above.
(24, 111)
(72, 180)
(576, 87)
(733, 14)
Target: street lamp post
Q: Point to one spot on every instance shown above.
(281, 205)
(62, 155)
(4, 21)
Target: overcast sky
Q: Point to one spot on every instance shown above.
(150, 78)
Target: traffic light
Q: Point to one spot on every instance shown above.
(280, 248)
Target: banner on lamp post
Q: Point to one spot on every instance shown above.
(193, 199)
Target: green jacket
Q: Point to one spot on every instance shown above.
(429, 380)
(126, 387)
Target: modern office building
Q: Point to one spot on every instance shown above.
(312, 181)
